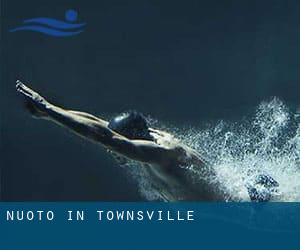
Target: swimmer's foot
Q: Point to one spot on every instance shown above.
(34, 103)
(263, 188)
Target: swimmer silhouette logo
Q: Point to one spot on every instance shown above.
(53, 27)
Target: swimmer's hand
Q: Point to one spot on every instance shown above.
(35, 103)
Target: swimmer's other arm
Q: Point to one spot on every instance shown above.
(95, 129)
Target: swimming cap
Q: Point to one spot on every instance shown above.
(132, 125)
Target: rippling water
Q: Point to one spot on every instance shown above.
(266, 142)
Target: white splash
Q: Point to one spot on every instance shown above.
(268, 142)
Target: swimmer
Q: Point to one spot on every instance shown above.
(129, 136)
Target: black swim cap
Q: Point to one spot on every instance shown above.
(132, 125)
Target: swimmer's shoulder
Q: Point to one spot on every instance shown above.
(185, 155)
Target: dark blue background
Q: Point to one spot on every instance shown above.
(182, 62)
(216, 226)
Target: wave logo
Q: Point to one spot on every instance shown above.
(53, 27)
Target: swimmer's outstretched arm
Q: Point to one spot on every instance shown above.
(95, 129)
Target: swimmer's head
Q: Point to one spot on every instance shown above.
(132, 125)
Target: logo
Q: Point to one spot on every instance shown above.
(53, 27)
